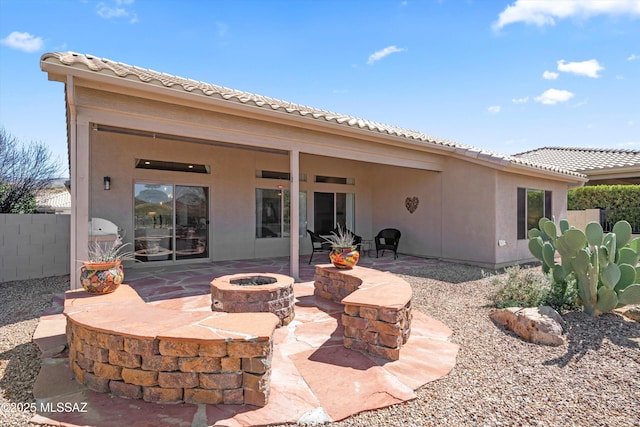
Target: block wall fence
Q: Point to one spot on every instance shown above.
(33, 246)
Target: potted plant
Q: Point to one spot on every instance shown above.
(102, 273)
(344, 253)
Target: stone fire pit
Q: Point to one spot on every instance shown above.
(254, 292)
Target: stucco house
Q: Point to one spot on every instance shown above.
(600, 165)
(194, 172)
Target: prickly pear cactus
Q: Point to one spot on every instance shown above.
(604, 266)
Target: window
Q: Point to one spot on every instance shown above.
(273, 213)
(335, 180)
(171, 222)
(331, 209)
(284, 176)
(532, 205)
(171, 166)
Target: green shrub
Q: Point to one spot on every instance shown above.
(520, 287)
(623, 200)
(528, 287)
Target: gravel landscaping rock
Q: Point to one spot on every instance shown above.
(22, 303)
(499, 379)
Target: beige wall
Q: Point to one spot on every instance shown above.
(468, 206)
(232, 185)
(465, 207)
(421, 230)
(580, 219)
(33, 246)
(517, 251)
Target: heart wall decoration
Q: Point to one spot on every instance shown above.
(411, 203)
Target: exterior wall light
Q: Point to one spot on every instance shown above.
(107, 183)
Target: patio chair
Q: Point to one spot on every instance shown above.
(318, 244)
(388, 239)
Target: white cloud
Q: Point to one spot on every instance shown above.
(520, 100)
(117, 10)
(633, 57)
(550, 75)
(554, 96)
(23, 41)
(631, 145)
(494, 109)
(222, 29)
(376, 56)
(546, 12)
(589, 68)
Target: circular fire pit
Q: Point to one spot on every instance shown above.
(254, 292)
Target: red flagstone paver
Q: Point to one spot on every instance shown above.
(347, 382)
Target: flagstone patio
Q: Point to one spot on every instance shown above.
(314, 377)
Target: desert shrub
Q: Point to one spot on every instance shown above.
(529, 287)
(563, 296)
(520, 287)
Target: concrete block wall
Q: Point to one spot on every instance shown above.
(580, 219)
(34, 246)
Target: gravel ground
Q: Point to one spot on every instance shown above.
(21, 304)
(593, 380)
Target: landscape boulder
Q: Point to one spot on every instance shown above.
(632, 313)
(539, 325)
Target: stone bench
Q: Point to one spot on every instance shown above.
(377, 307)
(118, 344)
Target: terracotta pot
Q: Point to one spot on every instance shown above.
(101, 278)
(344, 258)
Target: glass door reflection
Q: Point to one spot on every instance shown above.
(192, 222)
(153, 236)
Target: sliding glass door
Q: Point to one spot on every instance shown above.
(171, 222)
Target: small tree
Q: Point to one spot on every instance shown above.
(25, 169)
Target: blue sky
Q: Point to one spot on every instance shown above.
(502, 75)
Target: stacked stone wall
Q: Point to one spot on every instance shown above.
(171, 371)
(331, 284)
(378, 331)
(377, 308)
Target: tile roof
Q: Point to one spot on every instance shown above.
(583, 159)
(129, 72)
(56, 199)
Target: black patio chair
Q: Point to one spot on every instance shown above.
(388, 239)
(318, 244)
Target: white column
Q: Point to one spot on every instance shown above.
(294, 159)
(79, 198)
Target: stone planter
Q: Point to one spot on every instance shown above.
(101, 278)
(344, 258)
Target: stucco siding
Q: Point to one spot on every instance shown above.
(468, 212)
(515, 250)
(466, 207)
(232, 185)
(421, 230)
(169, 118)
